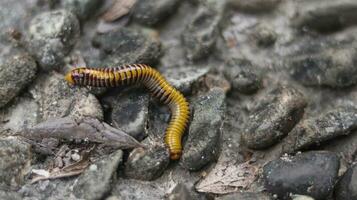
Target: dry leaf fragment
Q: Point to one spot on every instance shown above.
(228, 176)
(118, 9)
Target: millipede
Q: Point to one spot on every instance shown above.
(154, 82)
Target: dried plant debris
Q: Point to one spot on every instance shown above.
(118, 9)
(228, 176)
(87, 129)
(68, 162)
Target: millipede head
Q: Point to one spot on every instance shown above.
(75, 76)
(175, 155)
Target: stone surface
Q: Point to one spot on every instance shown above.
(128, 110)
(15, 74)
(153, 12)
(128, 45)
(201, 146)
(333, 67)
(245, 196)
(254, 5)
(52, 34)
(201, 33)
(325, 17)
(240, 73)
(15, 160)
(9, 195)
(147, 164)
(97, 180)
(57, 99)
(338, 122)
(311, 173)
(346, 188)
(83, 9)
(274, 116)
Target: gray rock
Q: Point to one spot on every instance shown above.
(200, 35)
(241, 76)
(180, 192)
(183, 78)
(314, 130)
(201, 146)
(15, 74)
(15, 160)
(96, 181)
(147, 164)
(9, 195)
(128, 46)
(346, 188)
(264, 35)
(245, 196)
(276, 114)
(152, 12)
(254, 5)
(84, 9)
(312, 173)
(52, 34)
(333, 67)
(129, 111)
(327, 16)
(57, 99)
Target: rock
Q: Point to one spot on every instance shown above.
(333, 67)
(204, 132)
(311, 173)
(301, 197)
(129, 111)
(273, 118)
(183, 78)
(15, 74)
(23, 114)
(128, 46)
(245, 196)
(241, 76)
(254, 5)
(9, 195)
(96, 181)
(52, 34)
(152, 12)
(15, 160)
(325, 17)
(264, 35)
(84, 9)
(346, 188)
(147, 164)
(180, 192)
(314, 130)
(200, 35)
(57, 99)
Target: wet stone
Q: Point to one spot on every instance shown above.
(311, 173)
(315, 130)
(346, 188)
(129, 111)
(52, 34)
(15, 74)
(242, 77)
(273, 117)
(127, 45)
(15, 160)
(96, 181)
(254, 5)
(83, 9)
(147, 164)
(57, 99)
(245, 196)
(9, 195)
(204, 132)
(333, 67)
(152, 12)
(200, 35)
(264, 35)
(180, 192)
(327, 16)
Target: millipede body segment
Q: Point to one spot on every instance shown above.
(151, 79)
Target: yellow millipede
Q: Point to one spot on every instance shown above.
(151, 79)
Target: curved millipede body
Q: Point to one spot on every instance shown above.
(154, 81)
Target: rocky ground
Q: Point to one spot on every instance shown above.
(271, 85)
